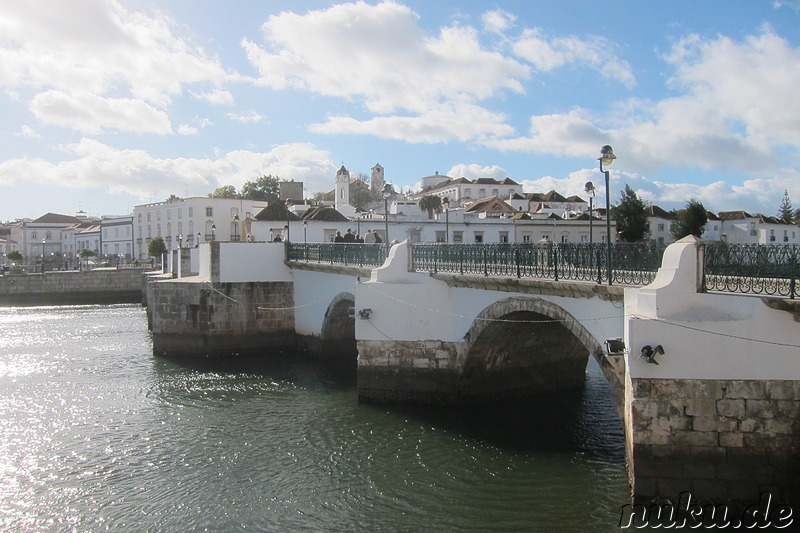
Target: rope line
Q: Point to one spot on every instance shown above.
(717, 333)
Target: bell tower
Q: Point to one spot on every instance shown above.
(377, 181)
(342, 188)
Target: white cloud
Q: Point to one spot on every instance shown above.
(89, 113)
(217, 96)
(379, 56)
(249, 116)
(474, 171)
(498, 21)
(136, 172)
(547, 53)
(463, 123)
(27, 131)
(98, 48)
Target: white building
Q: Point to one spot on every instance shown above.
(116, 237)
(460, 192)
(196, 219)
(740, 227)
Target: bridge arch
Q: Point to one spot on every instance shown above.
(338, 333)
(522, 346)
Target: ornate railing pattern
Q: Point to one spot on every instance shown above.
(351, 254)
(633, 264)
(752, 268)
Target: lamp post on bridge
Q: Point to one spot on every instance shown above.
(288, 204)
(235, 228)
(197, 244)
(44, 241)
(606, 158)
(446, 204)
(305, 231)
(213, 231)
(387, 192)
(591, 191)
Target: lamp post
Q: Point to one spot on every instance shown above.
(235, 228)
(591, 191)
(44, 241)
(180, 241)
(446, 204)
(197, 244)
(288, 203)
(305, 231)
(213, 230)
(387, 192)
(606, 158)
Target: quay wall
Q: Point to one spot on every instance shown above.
(103, 285)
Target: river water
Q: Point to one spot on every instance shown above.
(97, 434)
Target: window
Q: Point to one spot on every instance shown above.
(169, 214)
(482, 193)
(564, 238)
(158, 215)
(458, 236)
(191, 212)
(504, 236)
(772, 235)
(467, 192)
(786, 235)
(478, 237)
(584, 238)
(140, 217)
(661, 240)
(661, 227)
(148, 216)
(526, 237)
(440, 237)
(209, 211)
(33, 235)
(716, 227)
(180, 212)
(116, 233)
(495, 192)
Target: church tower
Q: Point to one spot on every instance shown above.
(377, 181)
(342, 188)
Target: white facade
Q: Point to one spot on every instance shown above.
(197, 219)
(116, 237)
(743, 228)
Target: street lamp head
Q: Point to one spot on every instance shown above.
(305, 223)
(446, 203)
(213, 226)
(606, 156)
(589, 188)
(236, 217)
(387, 191)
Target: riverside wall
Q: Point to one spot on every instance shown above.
(71, 287)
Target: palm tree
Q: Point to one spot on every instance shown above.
(430, 203)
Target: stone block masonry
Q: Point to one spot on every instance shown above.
(197, 319)
(57, 288)
(724, 441)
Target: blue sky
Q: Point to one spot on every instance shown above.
(109, 104)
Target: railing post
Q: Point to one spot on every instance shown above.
(461, 257)
(793, 274)
(516, 260)
(554, 257)
(599, 268)
(485, 262)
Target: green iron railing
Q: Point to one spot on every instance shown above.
(350, 254)
(633, 264)
(745, 268)
(770, 269)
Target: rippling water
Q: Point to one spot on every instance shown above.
(98, 434)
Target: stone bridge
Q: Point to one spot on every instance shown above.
(719, 415)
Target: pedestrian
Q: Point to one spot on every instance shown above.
(369, 238)
(349, 237)
(338, 237)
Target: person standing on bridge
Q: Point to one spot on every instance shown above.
(349, 237)
(369, 238)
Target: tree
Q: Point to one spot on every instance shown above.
(430, 203)
(360, 195)
(173, 198)
(226, 191)
(86, 253)
(156, 247)
(630, 215)
(785, 212)
(263, 189)
(14, 255)
(691, 221)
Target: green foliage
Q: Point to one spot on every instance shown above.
(630, 215)
(14, 255)
(785, 212)
(85, 253)
(691, 221)
(173, 198)
(156, 247)
(264, 189)
(360, 195)
(226, 191)
(430, 203)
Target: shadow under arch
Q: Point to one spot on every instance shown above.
(524, 346)
(338, 333)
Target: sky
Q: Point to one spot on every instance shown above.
(108, 104)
